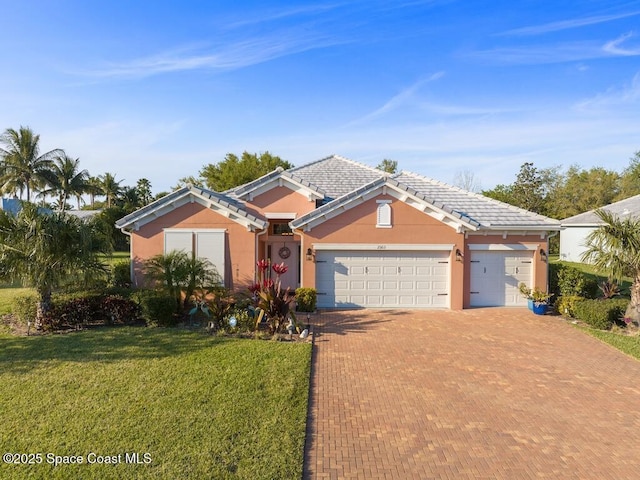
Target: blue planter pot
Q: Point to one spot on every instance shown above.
(540, 308)
(530, 304)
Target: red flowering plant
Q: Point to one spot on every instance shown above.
(274, 301)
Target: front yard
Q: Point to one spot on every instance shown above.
(159, 403)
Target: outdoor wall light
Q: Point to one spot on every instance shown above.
(543, 254)
(309, 254)
(459, 255)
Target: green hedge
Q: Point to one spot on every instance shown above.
(25, 307)
(306, 299)
(601, 314)
(571, 281)
(157, 309)
(566, 305)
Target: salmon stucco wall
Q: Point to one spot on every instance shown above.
(239, 242)
(358, 225)
(281, 200)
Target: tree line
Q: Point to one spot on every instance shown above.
(52, 179)
(558, 194)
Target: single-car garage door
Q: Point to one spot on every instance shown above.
(382, 279)
(496, 275)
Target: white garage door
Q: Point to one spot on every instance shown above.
(496, 275)
(382, 279)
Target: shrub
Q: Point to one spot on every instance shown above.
(601, 314)
(572, 281)
(24, 307)
(566, 305)
(306, 299)
(121, 274)
(74, 311)
(156, 308)
(221, 305)
(119, 309)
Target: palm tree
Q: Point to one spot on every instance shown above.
(65, 179)
(614, 248)
(110, 188)
(94, 188)
(46, 251)
(178, 271)
(23, 167)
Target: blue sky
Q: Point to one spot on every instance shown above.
(159, 89)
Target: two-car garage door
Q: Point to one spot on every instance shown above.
(382, 279)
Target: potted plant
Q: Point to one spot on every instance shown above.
(540, 301)
(526, 293)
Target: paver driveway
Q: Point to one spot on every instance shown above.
(487, 393)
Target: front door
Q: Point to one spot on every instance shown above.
(287, 252)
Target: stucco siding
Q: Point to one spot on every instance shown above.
(240, 243)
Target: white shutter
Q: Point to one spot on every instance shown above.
(384, 215)
(211, 246)
(178, 240)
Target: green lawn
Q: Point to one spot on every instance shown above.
(625, 343)
(198, 406)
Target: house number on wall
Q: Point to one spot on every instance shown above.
(382, 247)
(284, 252)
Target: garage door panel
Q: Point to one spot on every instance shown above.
(496, 275)
(383, 279)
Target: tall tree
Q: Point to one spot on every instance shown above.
(45, 251)
(234, 171)
(614, 248)
(110, 187)
(630, 179)
(94, 189)
(531, 190)
(143, 186)
(190, 180)
(466, 180)
(22, 167)
(389, 166)
(583, 190)
(65, 179)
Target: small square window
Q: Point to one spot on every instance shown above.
(281, 228)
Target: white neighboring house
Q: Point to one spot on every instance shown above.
(575, 229)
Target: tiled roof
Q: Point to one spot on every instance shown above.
(277, 173)
(475, 211)
(336, 175)
(623, 208)
(487, 212)
(218, 198)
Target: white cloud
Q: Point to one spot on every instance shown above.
(568, 24)
(614, 47)
(626, 95)
(226, 56)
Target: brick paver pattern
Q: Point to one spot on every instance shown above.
(482, 394)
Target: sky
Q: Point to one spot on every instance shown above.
(160, 89)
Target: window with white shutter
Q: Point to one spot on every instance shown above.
(204, 243)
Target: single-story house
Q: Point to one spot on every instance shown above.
(361, 237)
(576, 229)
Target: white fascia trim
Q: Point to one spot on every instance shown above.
(384, 246)
(195, 230)
(276, 215)
(502, 247)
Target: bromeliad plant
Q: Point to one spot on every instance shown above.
(274, 301)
